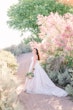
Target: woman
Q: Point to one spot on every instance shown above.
(41, 83)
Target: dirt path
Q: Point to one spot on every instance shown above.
(39, 102)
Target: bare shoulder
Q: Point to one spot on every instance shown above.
(35, 57)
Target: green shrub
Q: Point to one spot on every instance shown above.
(60, 69)
(24, 48)
(64, 78)
(20, 49)
(69, 89)
(69, 61)
(54, 76)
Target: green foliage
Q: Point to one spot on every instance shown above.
(8, 82)
(32, 38)
(24, 48)
(20, 49)
(30, 75)
(60, 73)
(64, 78)
(24, 14)
(43, 64)
(69, 89)
(69, 61)
(54, 76)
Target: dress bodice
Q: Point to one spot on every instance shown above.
(32, 59)
(31, 64)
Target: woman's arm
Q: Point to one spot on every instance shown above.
(34, 62)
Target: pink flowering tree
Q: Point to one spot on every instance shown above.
(56, 32)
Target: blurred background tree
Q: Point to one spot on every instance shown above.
(19, 49)
(23, 15)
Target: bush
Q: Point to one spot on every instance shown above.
(9, 61)
(69, 89)
(69, 61)
(24, 48)
(8, 82)
(54, 76)
(20, 49)
(60, 72)
(64, 78)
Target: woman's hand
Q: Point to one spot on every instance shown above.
(33, 69)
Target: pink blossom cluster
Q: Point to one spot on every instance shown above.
(56, 32)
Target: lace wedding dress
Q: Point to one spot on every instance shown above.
(41, 83)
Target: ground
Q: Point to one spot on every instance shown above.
(38, 102)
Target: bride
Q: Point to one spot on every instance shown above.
(41, 83)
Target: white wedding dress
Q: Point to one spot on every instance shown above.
(41, 83)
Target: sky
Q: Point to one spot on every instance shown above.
(8, 36)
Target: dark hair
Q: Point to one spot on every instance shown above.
(37, 53)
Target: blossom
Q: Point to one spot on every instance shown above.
(56, 32)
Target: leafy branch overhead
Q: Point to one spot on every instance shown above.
(24, 14)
